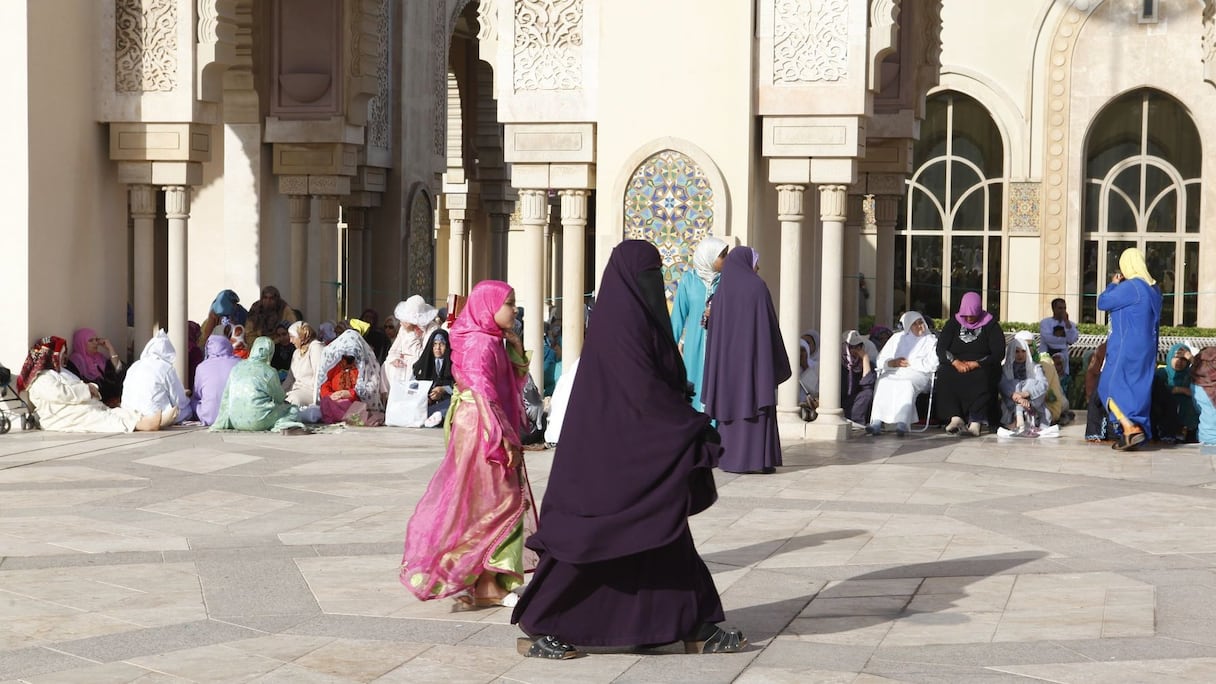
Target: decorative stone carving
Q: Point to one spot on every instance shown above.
(833, 203)
(1025, 208)
(420, 253)
(145, 46)
(1209, 41)
(439, 84)
(810, 41)
(215, 50)
(548, 52)
(884, 34)
(379, 128)
(670, 202)
(364, 36)
(487, 20)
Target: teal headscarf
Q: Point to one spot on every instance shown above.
(253, 399)
(1177, 378)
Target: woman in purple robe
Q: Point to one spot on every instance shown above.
(211, 378)
(618, 567)
(745, 360)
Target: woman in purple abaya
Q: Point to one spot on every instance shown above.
(618, 567)
(745, 360)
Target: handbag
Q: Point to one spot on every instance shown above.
(407, 402)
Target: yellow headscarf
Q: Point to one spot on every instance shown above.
(1131, 263)
(361, 326)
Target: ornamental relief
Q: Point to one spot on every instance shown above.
(810, 41)
(1208, 41)
(145, 46)
(378, 127)
(548, 45)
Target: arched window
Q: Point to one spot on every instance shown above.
(1142, 188)
(670, 203)
(954, 207)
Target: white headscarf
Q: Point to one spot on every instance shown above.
(705, 255)
(1020, 339)
(159, 348)
(415, 311)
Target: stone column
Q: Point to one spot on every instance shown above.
(832, 211)
(499, 227)
(457, 276)
(329, 278)
(850, 259)
(886, 215)
(790, 214)
(300, 213)
(477, 234)
(143, 261)
(529, 290)
(574, 227)
(355, 218)
(177, 210)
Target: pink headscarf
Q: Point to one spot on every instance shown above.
(91, 366)
(972, 306)
(476, 337)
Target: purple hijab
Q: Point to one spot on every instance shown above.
(972, 306)
(745, 358)
(631, 465)
(211, 377)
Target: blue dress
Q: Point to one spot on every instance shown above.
(1131, 349)
(686, 313)
(1207, 416)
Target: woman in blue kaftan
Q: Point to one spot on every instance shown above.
(692, 297)
(1133, 301)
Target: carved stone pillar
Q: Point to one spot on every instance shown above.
(143, 261)
(330, 277)
(833, 200)
(177, 210)
(300, 213)
(790, 214)
(500, 224)
(534, 214)
(457, 275)
(850, 262)
(886, 215)
(574, 227)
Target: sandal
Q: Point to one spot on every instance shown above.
(714, 639)
(467, 601)
(548, 646)
(1130, 442)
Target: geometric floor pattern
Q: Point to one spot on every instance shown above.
(191, 556)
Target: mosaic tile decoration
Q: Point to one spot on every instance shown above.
(1024, 203)
(670, 203)
(421, 248)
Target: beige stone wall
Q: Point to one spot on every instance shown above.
(73, 213)
(701, 94)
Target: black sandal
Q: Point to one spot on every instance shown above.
(547, 646)
(714, 639)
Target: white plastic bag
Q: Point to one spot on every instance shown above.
(407, 400)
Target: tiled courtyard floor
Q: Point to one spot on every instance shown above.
(192, 556)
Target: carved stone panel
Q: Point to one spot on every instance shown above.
(145, 46)
(379, 128)
(810, 41)
(420, 247)
(548, 49)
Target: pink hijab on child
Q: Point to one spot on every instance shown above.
(473, 331)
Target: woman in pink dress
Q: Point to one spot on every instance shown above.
(466, 537)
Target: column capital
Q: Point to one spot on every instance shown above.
(299, 208)
(327, 208)
(789, 202)
(143, 201)
(574, 206)
(177, 201)
(886, 210)
(833, 202)
(533, 206)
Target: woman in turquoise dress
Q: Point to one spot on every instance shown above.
(688, 309)
(253, 398)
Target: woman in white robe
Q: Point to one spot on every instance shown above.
(416, 320)
(152, 387)
(808, 375)
(1023, 386)
(64, 402)
(905, 369)
(301, 382)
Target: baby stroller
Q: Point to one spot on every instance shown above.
(8, 412)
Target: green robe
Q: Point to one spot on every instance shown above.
(253, 399)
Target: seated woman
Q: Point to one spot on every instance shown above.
(253, 398)
(1174, 416)
(94, 360)
(349, 369)
(969, 353)
(857, 378)
(1203, 377)
(417, 321)
(212, 377)
(152, 387)
(905, 369)
(808, 364)
(64, 402)
(1056, 401)
(1023, 387)
(436, 366)
(283, 350)
(301, 382)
